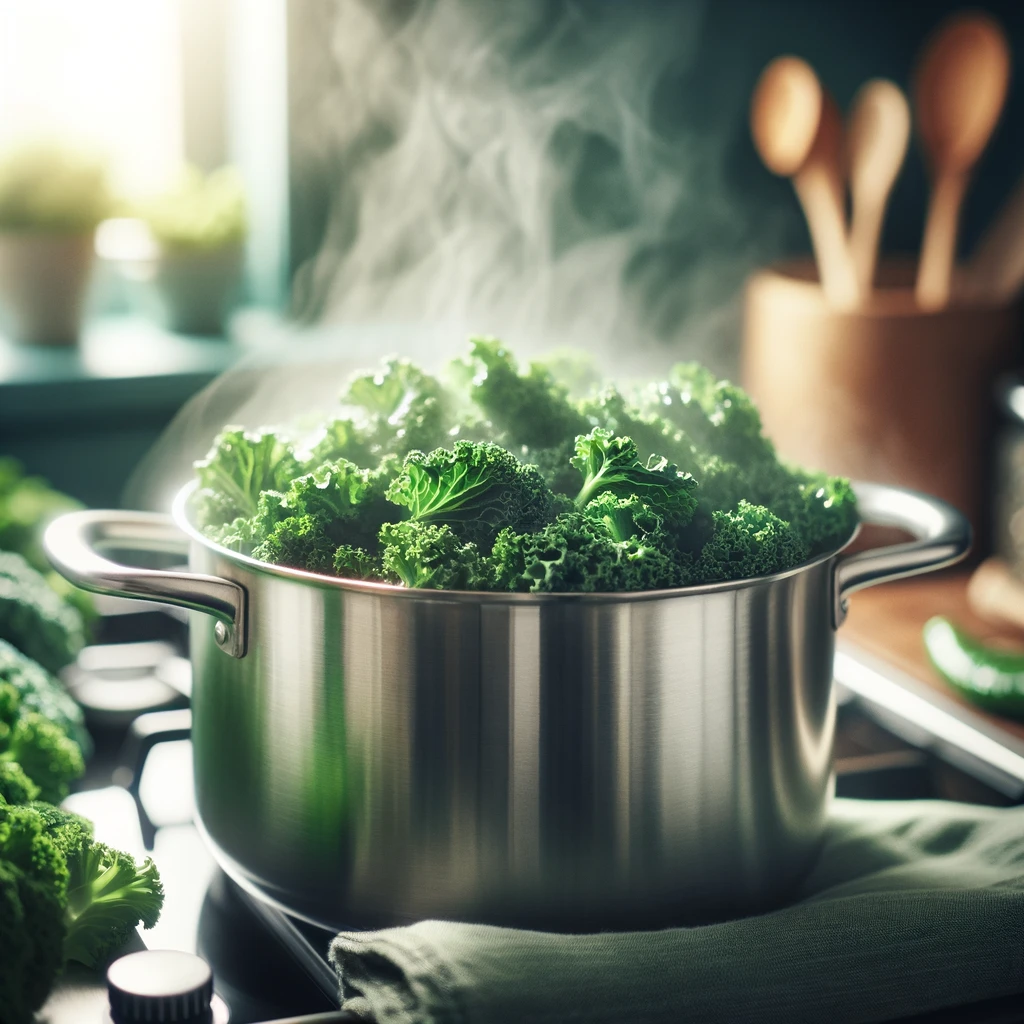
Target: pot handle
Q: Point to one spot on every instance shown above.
(943, 537)
(74, 543)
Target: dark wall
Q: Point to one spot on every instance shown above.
(847, 41)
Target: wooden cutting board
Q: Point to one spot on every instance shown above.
(887, 621)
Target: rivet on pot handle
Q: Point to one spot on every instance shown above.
(74, 543)
(943, 538)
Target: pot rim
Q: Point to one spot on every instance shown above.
(179, 511)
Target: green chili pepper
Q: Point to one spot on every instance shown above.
(988, 676)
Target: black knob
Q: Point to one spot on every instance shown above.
(158, 986)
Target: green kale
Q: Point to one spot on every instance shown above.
(33, 896)
(822, 509)
(404, 409)
(41, 692)
(716, 415)
(532, 408)
(475, 488)
(652, 432)
(430, 556)
(343, 438)
(356, 563)
(299, 542)
(338, 505)
(577, 553)
(33, 618)
(44, 752)
(747, 542)
(610, 464)
(237, 469)
(108, 893)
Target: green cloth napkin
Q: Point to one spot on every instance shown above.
(911, 907)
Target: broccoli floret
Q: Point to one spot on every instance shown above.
(431, 556)
(747, 542)
(33, 896)
(15, 786)
(477, 488)
(33, 618)
(39, 691)
(237, 469)
(108, 893)
(610, 464)
(46, 755)
(533, 409)
(40, 747)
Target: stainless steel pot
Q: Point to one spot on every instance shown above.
(367, 754)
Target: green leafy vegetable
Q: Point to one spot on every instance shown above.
(610, 464)
(476, 488)
(238, 468)
(108, 893)
(748, 541)
(33, 895)
(33, 618)
(512, 481)
(429, 556)
(40, 692)
(43, 750)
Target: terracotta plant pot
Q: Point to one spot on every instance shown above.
(196, 287)
(888, 392)
(44, 279)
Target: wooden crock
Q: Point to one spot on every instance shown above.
(887, 392)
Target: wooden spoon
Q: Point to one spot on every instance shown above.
(960, 88)
(798, 132)
(876, 143)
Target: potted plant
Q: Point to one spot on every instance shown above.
(51, 199)
(199, 228)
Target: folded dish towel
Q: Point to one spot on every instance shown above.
(912, 906)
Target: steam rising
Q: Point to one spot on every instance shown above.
(529, 169)
(542, 170)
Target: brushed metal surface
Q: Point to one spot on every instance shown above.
(568, 761)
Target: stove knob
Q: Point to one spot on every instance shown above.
(160, 985)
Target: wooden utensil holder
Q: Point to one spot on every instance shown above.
(888, 392)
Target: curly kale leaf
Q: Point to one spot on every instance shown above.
(404, 409)
(652, 432)
(475, 488)
(746, 542)
(716, 415)
(531, 408)
(237, 469)
(610, 464)
(431, 556)
(576, 553)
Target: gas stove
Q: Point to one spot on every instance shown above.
(134, 683)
